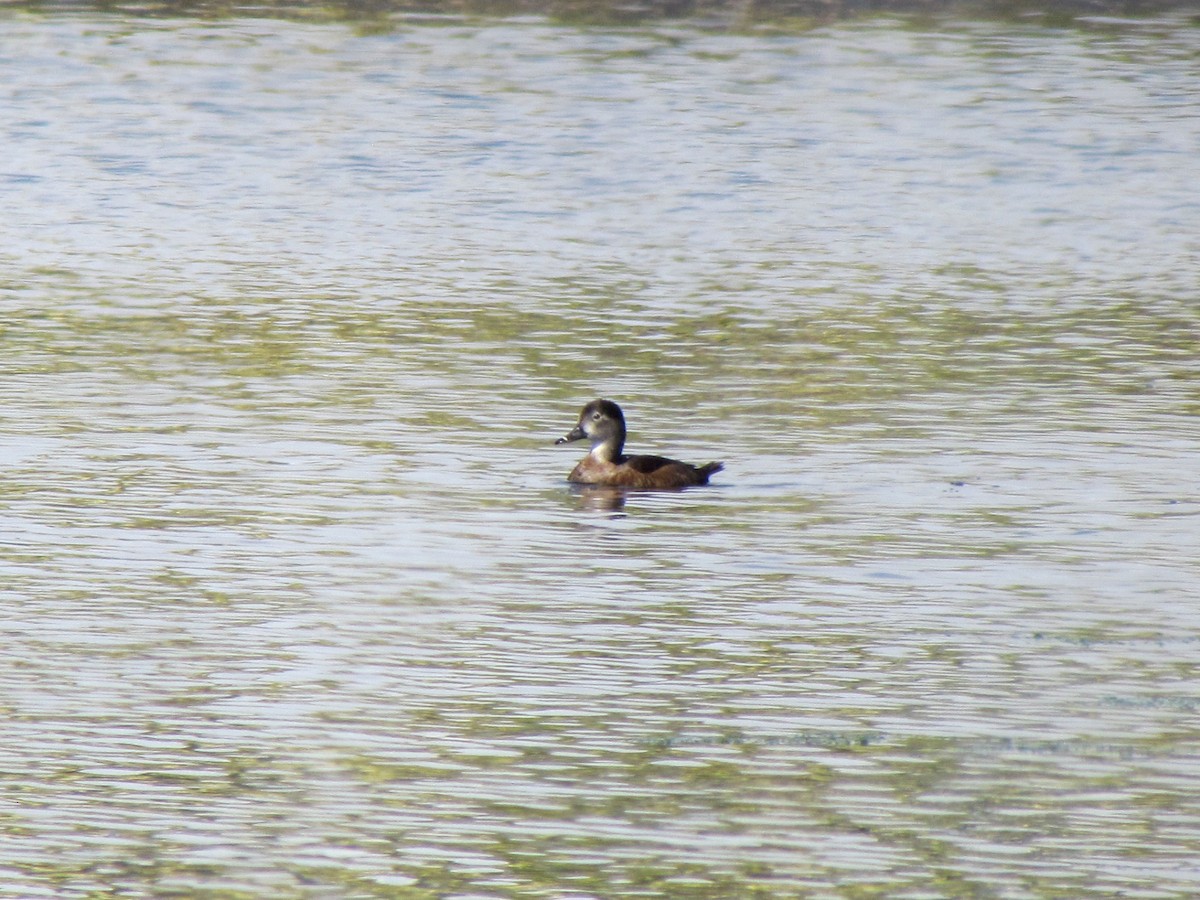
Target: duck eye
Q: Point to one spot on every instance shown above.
(595, 417)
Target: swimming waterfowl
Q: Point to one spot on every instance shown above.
(603, 423)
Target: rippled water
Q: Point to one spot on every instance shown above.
(297, 603)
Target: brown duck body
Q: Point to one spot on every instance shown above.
(604, 424)
(642, 472)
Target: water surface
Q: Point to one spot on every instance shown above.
(297, 603)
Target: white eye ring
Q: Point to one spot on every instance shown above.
(595, 417)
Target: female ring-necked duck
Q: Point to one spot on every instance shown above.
(603, 423)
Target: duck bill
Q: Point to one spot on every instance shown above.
(575, 434)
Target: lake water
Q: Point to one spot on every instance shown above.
(295, 601)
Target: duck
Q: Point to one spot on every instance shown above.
(603, 423)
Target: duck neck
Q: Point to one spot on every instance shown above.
(609, 449)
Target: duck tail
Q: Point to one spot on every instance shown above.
(709, 469)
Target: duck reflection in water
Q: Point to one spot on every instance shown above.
(602, 498)
(603, 423)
